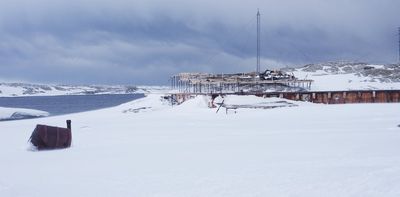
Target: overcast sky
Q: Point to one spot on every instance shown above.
(144, 42)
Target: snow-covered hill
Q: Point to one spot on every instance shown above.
(349, 76)
(25, 89)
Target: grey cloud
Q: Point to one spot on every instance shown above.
(144, 42)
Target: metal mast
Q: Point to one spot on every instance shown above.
(258, 42)
(399, 48)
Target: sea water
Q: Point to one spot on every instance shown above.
(66, 104)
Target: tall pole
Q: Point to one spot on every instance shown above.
(258, 42)
(399, 47)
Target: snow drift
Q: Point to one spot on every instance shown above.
(20, 113)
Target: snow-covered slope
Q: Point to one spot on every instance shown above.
(20, 113)
(349, 76)
(189, 150)
(24, 89)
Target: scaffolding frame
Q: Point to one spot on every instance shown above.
(231, 83)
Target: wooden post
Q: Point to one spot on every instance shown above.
(69, 124)
(374, 96)
(344, 97)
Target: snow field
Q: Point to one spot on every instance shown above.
(339, 82)
(189, 150)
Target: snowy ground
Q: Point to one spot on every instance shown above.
(347, 81)
(145, 148)
(20, 113)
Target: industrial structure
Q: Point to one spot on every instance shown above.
(270, 83)
(258, 42)
(267, 81)
(325, 97)
(252, 82)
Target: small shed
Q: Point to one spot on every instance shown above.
(48, 137)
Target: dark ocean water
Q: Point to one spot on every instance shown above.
(58, 105)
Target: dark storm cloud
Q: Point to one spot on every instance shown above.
(144, 42)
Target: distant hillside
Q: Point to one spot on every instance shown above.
(328, 76)
(349, 75)
(25, 89)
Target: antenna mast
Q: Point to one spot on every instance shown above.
(399, 48)
(258, 42)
